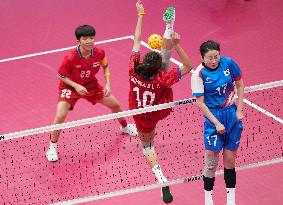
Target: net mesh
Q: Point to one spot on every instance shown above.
(96, 159)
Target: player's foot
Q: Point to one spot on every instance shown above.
(166, 195)
(208, 198)
(51, 154)
(230, 196)
(169, 15)
(130, 129)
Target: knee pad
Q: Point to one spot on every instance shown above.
(210, 166)
(166, 55)
(148, 148)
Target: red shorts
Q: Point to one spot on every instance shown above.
(147, 122)
(71, 96)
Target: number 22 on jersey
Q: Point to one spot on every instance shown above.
(144, 99)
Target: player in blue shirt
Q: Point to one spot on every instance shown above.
(215, 84)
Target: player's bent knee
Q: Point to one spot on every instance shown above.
(211, 163)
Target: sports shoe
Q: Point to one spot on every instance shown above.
(169, 15)
(208, 197)
(130, 129)
(166, 195)
(51, 154)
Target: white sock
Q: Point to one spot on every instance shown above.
(53, 145)
(168, 30)
(230, 196)
(158, 174)
(208, 197)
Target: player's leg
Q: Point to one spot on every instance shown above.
(166, 50)
(112, 103)
(147, 142)
(210, 166)
(229, 158)
(213, 144)
(61, 113)
(231, 145)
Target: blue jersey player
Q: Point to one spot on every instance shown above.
(215, 84)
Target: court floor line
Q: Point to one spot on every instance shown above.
(60, 49)
(255, 106)
(159, 185)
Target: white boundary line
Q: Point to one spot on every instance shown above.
(263, 111)
(61, 49)
(169, 183)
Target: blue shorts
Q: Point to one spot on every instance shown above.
(231, 139)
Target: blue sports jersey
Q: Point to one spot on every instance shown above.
(216, 85)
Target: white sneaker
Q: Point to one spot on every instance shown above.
(208, 197)
(130, 129)
(230, 196)
(51, 153)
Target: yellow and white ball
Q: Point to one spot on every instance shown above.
(155, 41)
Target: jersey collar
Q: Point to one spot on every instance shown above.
(80, 53)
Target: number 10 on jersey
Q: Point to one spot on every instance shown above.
(144, 99)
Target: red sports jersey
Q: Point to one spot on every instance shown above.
(157, 91)
(82, 70)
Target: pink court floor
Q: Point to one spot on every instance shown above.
(96, 159)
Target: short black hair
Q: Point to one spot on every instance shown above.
(208, 46)
(84, 30)
(151, 65)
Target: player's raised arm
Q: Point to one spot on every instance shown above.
(187, 64)
(137, 35)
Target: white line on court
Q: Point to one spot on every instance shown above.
(263, 111)
(61, 49)
(169, 183)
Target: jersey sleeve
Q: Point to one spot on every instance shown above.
(235, 71)
(134, 57)
(197, 83)
(170, 77)
(103, 61)
(65, 68)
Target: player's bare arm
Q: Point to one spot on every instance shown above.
(201, 105)
(240, 93)
(187, 64)
(107, 88)
(137, 35)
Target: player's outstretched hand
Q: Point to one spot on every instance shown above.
(175, 38)
(81, 89)
(139, 6)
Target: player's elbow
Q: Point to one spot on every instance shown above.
(186, 68)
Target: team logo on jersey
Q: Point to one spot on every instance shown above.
(96, 64)
(226, 72)
(78, 66)
(208, 80)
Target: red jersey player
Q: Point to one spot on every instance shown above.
(150, 84)
(78, 80)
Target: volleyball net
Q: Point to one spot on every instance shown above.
(97, 162)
